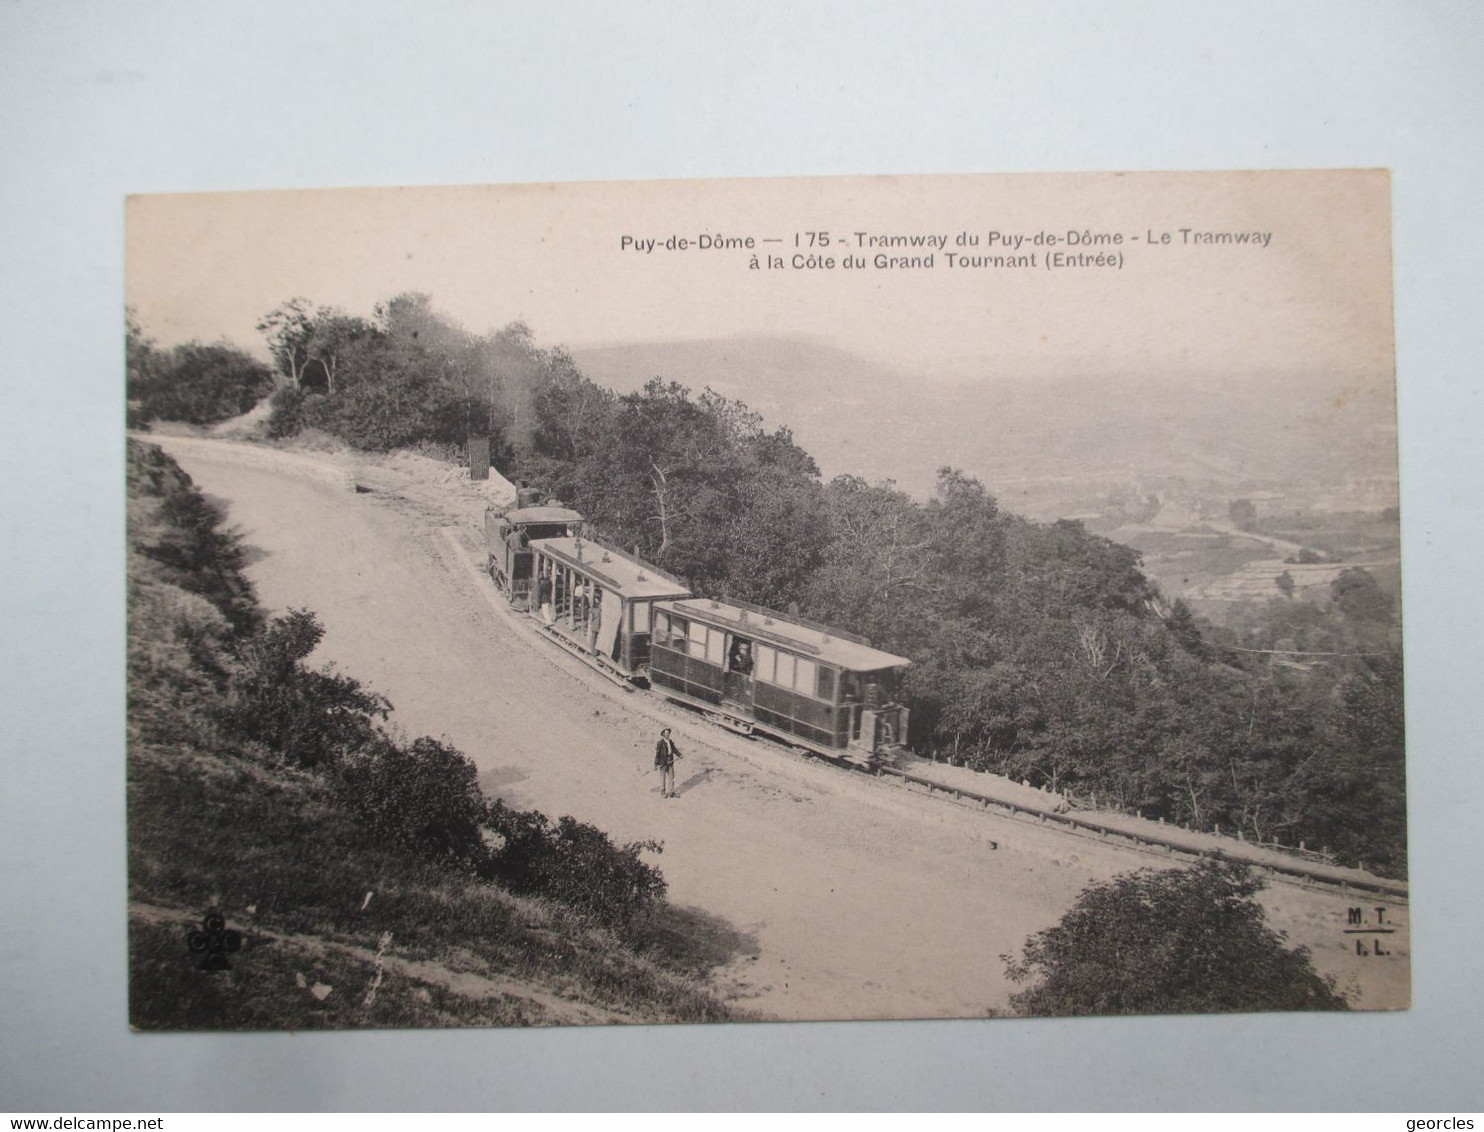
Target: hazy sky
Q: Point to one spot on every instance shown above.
(1315, 303)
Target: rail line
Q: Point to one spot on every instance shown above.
(1294, 873)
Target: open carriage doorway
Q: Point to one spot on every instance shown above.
(737, 681)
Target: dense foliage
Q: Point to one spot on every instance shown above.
(403, 376)
(573, 862)
(200, 384)
(1039, 650)
(1182, 941)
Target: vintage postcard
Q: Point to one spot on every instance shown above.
(849, 598)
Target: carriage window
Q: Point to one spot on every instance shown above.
(642, 610)
(825, 688)
(716, 643)
(661, 628)
(679, 629)
(804, 677)
(764, 657)
(785, 677)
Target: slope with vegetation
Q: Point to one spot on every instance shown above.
(1040, 650)
(373, 882)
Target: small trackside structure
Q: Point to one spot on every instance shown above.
(598, 601)
(757, 669)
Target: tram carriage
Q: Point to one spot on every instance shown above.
(598, 601)
(758, 669)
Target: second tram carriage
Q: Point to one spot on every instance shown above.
(810, 684)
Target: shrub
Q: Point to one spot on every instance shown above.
(311, 718)
(1182, 941)
(202, 384)
(293, 410)
(574, 863)
(424, 798)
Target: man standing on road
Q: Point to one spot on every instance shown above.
(665, 754)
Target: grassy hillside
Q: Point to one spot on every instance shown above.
(366, 880)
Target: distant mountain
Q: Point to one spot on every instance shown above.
(1044, 446)
(836, 403)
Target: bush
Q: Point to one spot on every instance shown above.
(1183, 941)
(424, 798)
(310, 718)
(293, 410)
(574, 863)
(202, 384)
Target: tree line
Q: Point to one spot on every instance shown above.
(1039, 650)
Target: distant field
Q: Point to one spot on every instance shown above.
(1348, 535)
(1216, 568)
(1183, 562)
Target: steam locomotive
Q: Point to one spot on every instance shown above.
(748, 668)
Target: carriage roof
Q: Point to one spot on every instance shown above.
(626, 575)
(542, 515)
(779, 629)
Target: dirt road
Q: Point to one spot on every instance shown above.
(864, 901)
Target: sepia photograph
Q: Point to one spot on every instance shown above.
(764, 600)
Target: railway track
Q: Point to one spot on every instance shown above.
(1297, 872)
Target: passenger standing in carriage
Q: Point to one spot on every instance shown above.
(740, 660)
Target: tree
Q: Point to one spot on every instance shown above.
(875, 572)
(332, 338)
(1184, 629)
(140, 358)
(288, 329)
(966, 548)
(1182, 941)
(1243, 513)
(1353, 787)
(1285, 584)
(1358, 596)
